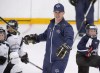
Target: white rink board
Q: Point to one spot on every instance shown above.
(38, 9)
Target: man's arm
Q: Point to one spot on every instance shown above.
(66, 46)
(68, 35)
(34, 38)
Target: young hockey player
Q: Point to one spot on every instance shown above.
(87, 53)
(14, 64)
(58, 35)
(81, 7)
(4, 50)
(15, 42)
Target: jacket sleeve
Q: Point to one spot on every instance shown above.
(82, 45)
(43, 36)
(68, 35)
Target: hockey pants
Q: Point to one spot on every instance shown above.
(84, 62)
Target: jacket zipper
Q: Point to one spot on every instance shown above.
(51, 45)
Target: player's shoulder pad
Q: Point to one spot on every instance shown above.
(7, 44)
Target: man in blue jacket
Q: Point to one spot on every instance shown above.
(58, 35)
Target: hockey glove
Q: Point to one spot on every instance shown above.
(73, 2)
(25, 58)
(32, 38)
(2, 60)
(63, 50)
(93, 1)
(89, 53)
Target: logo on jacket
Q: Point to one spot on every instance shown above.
(56, 70)
(96, 42)
(58, 31)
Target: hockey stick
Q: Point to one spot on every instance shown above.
(9, 25)
(84, 18)
(35, 65)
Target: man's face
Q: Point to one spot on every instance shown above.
(92, 32)
(58, 15)
(2, 36)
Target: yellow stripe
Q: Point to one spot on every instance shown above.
(37, 21)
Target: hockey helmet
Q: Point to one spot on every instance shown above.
(13, 24)
(90, 26)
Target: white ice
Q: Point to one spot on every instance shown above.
(36, 52)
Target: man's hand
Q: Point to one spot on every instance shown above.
(2, 60)
(25, 58)
(89, 53)
(32, 38)
(62, 50)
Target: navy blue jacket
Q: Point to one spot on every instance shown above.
(82, 44)
(55, 36)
